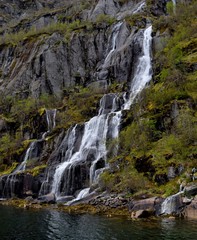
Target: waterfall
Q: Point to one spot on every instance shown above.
(82, 194)
(92, 147)
(174, 2)
(50, 117)
(143, 72)
(174, 5)
(28, 156)
(115, 32)
(105, 126)
(9, 188)
(32, 152)
(70, 138)
(102, 73)
(140, 7)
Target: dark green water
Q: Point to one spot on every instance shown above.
(20, 224)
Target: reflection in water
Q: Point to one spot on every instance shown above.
(17, 224)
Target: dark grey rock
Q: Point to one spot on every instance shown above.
(190, 190)
(49, 198)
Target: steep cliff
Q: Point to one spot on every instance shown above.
(65, 55)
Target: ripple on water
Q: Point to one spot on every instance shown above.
(17, 224)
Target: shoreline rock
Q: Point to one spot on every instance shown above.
(111, 206)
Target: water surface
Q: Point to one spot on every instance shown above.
(19, 224)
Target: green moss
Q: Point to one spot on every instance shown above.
(37, 170)
(170, 188)
(170, 7)
(104, 18)
(41, 111)
(9, 170)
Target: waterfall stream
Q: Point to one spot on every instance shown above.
(174, 2)
(93, 145)
(174, 6)
(139, 8)
(143, 72)
(28, 155)
(50, 117)
(113, 43)
(101, 128)
(32, 152)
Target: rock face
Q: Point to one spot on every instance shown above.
(48, 63)
(19, 185)
(55, 65)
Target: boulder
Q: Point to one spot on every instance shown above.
(143, 213)
(148, 205)
(190, 190)
(49, 198)
(64, 199)
(190, 211)
(172, 204)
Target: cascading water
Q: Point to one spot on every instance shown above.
(32, 152)
(143, 72)
(92, 148)
(50, 117)
(99, 129)
(70, 139)
(28, 155)
(113, 44)
(102, 73)
(174, 5)
(174, 2)
(139, 8)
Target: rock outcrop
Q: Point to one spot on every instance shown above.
(49, 63)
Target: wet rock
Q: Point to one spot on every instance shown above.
(158, 7)
(172, 205)
(49, 198)
(186, 200)
(190, 190)
(49, 65)
(109, 200)
(19, 185)
(171, 173)
(29, 199)
(64, 199)
(153, 203)
(143, 213)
